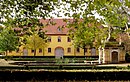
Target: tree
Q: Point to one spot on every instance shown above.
(113, 13)
(84, 32)
(24, 15)
(25, 8)
(125, 39)
(8, 40)
(20, 13)
(35, 42)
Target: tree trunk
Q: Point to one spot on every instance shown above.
(84, 52)
(127, 29)
(34, 52)
(43, 52)
(6, 53)
(100, 53)
(109, 34)
(120, 40)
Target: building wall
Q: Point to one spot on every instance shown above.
(53, 45)
(63, 44)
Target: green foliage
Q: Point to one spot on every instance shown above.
(114, 14)
(35, 42)
(66, 60)
(8, 40)
(25, 8)
(24, 15)
(87, 31)
(59, 61)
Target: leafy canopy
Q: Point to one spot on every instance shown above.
(8, 40)
(113, 13)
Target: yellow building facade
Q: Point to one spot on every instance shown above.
(58, 42)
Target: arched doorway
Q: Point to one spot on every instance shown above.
(114, 57)
(25, 52)
(59, 52)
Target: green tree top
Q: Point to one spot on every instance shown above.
(8, 40)
(35, 42)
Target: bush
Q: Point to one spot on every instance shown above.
(127, 57)
(66, 61)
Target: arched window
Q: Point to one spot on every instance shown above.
(59, 39)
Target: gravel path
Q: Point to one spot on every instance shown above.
(3, 62)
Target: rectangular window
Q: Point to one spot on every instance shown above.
(49, 50)
(78, 50)
(40, 50)
(32, 51)
(68, 39)
(85, 49)
(69, 50)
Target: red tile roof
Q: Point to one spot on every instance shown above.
(58, 23)
(55, 26)
(59, 26)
